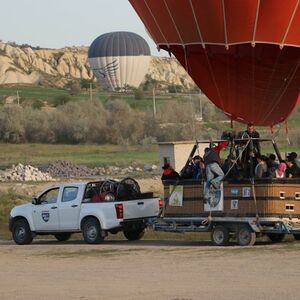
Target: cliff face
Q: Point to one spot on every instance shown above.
(55, 67)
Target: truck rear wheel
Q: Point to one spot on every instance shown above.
(134, 235)
(276, 237)
(21, 232)
(62, 237)
(92, 232)
(245, 236)
(220, 236)
(296, 236)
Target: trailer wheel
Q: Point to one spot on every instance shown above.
(220, 236)
(297, 236)
(134, 235)
(276, 237)
(62, 237)
(245, 236)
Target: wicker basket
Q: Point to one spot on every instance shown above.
(274, 198)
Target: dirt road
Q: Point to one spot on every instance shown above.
(149, 270)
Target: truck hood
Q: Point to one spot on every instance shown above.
(21, 209)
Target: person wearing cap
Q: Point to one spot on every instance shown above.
(292, 171)
(294, 156)
(169, 173)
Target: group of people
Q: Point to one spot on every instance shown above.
(267, 166)
(250, 163)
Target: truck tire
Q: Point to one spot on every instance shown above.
(134, 235)
(92, 232)
(220, 236)
(296, 236)
(245, 236)
(276, 237)
(62, 237)
(21, 232)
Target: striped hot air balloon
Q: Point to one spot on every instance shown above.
(119, 59)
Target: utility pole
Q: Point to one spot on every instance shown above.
(200, 104)
(18, 98)
(91, 91)
(154, 101)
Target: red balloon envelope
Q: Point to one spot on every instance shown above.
(243, 54)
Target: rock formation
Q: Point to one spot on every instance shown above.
(55, 67)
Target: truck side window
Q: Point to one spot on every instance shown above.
(69, 194)
(49, 197)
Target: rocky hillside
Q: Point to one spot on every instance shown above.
(55, 67)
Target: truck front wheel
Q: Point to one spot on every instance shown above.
(62, 237)
(21, 232)
(134, 235)
(92, 232)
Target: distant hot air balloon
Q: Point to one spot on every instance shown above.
(119, 59)
(243, 54)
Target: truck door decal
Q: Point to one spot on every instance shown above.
(45, 215)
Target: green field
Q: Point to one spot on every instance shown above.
(48, 94)
(90, 155)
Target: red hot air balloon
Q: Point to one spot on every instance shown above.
(243, 54)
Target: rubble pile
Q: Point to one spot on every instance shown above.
(61, 168)
(22, 172)
(68, 169)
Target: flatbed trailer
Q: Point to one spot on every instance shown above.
(222, 229)
(247, 208)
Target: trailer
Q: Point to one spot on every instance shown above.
(242, 210)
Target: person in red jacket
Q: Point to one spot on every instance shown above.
(214, 173)
(169, 173)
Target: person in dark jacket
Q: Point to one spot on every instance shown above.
(169, 173)
(253, 149)
(292, 171)
(214, 173)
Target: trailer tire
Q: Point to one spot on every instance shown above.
(296, 236)
(276, 237)
(245, 236)
(21, 232)
(92, 232)
(62, 237)
(220, 236)
(134, 235)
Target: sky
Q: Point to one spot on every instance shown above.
(61, 23)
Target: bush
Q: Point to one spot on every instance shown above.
(37, 104)
(138, 94)
(61, 100)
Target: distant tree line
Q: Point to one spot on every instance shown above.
(115, 122)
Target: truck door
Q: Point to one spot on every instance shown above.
(45, 212)
(69, 208)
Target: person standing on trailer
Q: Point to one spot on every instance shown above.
(214, 173)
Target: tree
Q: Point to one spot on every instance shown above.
(138, 94)
(86, 83)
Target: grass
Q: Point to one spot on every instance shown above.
(7, 201)
(90, 155)
(49, 94)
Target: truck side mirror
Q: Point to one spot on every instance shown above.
(34, 201)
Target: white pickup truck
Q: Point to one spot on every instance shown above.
(93, 208)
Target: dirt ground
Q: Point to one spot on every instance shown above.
(173, 270)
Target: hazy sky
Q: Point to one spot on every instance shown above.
(60, 23)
